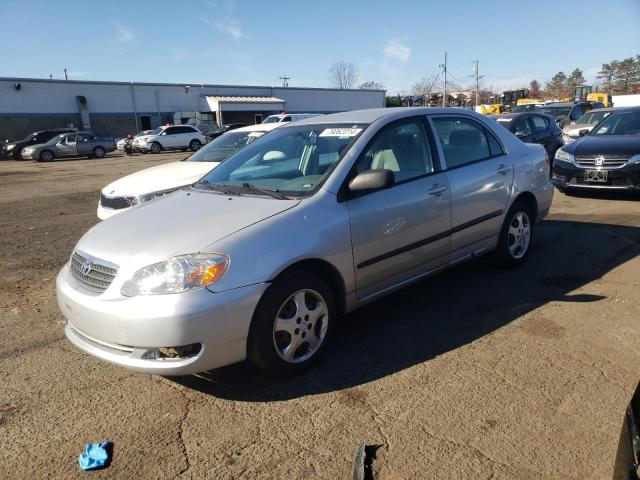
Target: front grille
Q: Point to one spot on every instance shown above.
(610, 161)
(99, 277)
(115, 203)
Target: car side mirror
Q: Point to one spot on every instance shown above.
(371, 180)
(163, 133)
(583, 132)
(521, 134)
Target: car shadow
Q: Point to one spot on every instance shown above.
(625, 195)
(442, 313)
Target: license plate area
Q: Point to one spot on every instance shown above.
(596, 176)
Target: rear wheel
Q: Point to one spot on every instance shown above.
(98, 152)
(515, 236)
(155, 147)
(46, 156)
(292, 324)
(195, 145)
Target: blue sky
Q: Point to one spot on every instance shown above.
(255, 42)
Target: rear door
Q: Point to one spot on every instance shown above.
(403, 231)
(480, 176)
(85, 144)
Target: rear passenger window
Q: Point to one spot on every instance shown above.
(539, 123)
(402, 148)
(465, 141)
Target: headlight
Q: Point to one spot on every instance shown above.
(566, 138)
(562, 156)
(10, 147)
(178, 274)
(635, 158)
(28, 150)
(138, 199)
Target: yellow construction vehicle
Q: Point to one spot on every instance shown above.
(585, 92)
(492, 109)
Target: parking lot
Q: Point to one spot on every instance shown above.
(476, 373)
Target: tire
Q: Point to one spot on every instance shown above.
(194, 145)
(155, 147)
(98, 152)
(279, 320)
(46, 156)
(516, 235)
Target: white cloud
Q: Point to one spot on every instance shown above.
(397, 50)
(123, 34)
(224, 19)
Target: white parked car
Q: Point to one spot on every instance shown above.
(120, 143)
(150, 183)
(288, 117)
(170, 137)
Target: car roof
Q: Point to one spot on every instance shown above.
(260, 127)
(372, 114)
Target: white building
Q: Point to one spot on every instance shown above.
(119, 108)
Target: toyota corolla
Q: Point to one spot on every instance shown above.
(261, 257)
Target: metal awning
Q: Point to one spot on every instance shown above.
(243, 104)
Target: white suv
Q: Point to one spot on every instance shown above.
(289, 117)
(170, 137)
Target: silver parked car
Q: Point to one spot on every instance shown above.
(76, 144)
(261, 257)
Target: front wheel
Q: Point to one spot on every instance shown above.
(46, 156)
(515, 236)
(155, 147)
(292, 324)
(195, 145)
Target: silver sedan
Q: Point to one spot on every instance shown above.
(70, 145)
(261, 257)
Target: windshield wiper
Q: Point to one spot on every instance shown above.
(216, 187)
(272, 192)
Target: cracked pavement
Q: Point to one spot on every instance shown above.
(476, 373)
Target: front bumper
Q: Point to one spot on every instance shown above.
(569, 176)
(29, 156)
(124, 330)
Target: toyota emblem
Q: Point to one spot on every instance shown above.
(599, 161)
(87, 266)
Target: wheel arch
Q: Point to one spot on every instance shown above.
(530, 199)
(329, 274)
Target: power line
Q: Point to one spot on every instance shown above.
(285, 80)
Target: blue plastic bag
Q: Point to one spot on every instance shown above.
(94, 456)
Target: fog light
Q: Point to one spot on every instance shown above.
(162, 353)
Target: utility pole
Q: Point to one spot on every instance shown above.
(285, 80)
(65, 74)
(444, 89)
(477, 82)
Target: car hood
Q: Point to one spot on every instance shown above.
(623, 145)
(187, 221)
(159, 178)
(574, 130)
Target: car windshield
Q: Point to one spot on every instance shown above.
(272, 119)
(146, 132)
(554, 111)
(524, 108)
(592, 118)
(29, 137)
(626, 123)
(293, 161)
(224, 146)
(156, 131)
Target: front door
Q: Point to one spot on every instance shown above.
(403, 231)
(66, 146)
(480, 176)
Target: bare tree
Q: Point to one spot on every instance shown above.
(343, 75)
(371, 85)
(425, 86)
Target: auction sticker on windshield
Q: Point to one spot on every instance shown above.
(340, 132)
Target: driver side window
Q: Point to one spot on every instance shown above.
(402, 148)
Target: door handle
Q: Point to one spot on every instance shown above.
(503, 169)
(438, 189)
